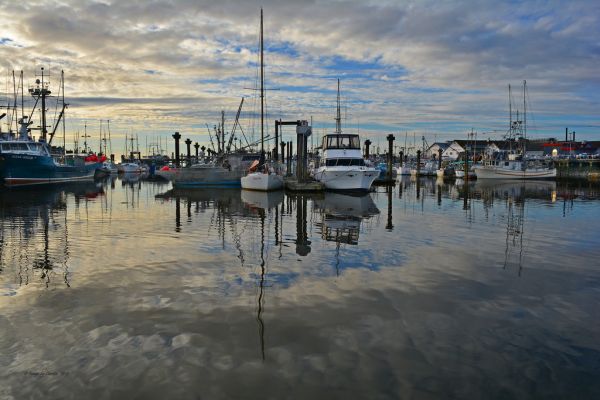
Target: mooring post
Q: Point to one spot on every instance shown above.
(418, 162)
(367, 145)
(440, 151)
(466, 165)
(401, 158)
(282, 144)
(197, 146)
(275, 155)
(390, 139)
(177, 136)
(291, 159)
(188, 143)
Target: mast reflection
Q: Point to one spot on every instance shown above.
(34, 233)
(515, 195)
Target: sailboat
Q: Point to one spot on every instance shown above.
(513, 164)
(260, 176)
(342, 165)
(23, 161)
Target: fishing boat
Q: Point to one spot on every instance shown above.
(428, 168)
(129, 167)
(24, 161)
(261, 176)
(225, 171)
(513, 163)
(342, 166)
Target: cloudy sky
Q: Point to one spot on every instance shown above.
(431, 68)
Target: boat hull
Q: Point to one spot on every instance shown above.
(262, 182)
(347, 179)
(27, 169)
(486, 172)
(205, 177)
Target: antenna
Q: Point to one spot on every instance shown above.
(338, 117)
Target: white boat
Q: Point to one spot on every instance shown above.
(513, 164)
(514, 168)
(129, 167)
(342, 165)
(427, 169)
(262, 181)
(265, 178)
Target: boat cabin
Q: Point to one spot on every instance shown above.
(22, 147)
(341, 142)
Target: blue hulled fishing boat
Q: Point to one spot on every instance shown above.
(24, 161)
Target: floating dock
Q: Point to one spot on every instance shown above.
(292, 184)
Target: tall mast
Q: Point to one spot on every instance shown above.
(43, 108)
(262, 89)
(524, 111)
(22, 99)
(64, 121)
(338, 117)
(510, 127)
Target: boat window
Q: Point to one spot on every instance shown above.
(506, 163)
(332, 142)
(346, 162)
(19, 146)
(341, 142)
(5, 147)
(344, 142)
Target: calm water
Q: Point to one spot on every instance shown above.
(428, 290)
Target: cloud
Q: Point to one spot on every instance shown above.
(403, 65)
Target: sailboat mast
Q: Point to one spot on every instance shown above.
(64, 120)
(524, 111)
(338, 117)
(262, 89)
(510, 127)
(43, 108)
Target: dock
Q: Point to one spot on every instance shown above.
(292, 184)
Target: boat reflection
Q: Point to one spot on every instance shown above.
(342, 215)
(264, 200)
(34, 230)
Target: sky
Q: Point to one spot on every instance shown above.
(433, 69)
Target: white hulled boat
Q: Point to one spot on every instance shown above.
(342, 164)
(262, 178)
(513, 164)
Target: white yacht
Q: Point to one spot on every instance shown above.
(342, 165)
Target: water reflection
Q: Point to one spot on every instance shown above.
(342, 215)
(428, 297)
(34, 230)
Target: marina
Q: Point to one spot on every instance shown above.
(315, 200)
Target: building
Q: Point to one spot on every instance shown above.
(433, 150)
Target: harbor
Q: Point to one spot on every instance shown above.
(314, 200)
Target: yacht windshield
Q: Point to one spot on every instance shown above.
(336, 162)
(341, 142)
